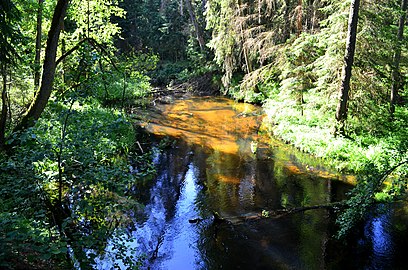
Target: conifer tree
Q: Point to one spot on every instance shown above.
(396, 76)
(341, 112)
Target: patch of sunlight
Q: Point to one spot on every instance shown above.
(293, 169)
(213, 123)
(227, 179)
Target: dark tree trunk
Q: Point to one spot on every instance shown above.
(396, 76)
(341, 112)
(37, 59)
(197, 28)
(47, 81)
(4, 108)
(63, 52)
(286, 15)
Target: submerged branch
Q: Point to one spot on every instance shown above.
(287, 211)
(277, 213)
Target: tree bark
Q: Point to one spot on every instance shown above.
(286, 16)
(396, 76)
(163, 6)
(341, 112)
(299, 18)
(4, 107)
(49, 66)
(63, 51)
(37, 59)
(197, 28)
(244, 48)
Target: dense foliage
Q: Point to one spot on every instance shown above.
(66, 183)
(165, 28)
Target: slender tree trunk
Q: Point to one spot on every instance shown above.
(259, 11)
(63, 52)
(396, 76)
(244, 48)
(37, 59)
(4, 107)
(104, 80)
(299, 18)
(124, 89)
(49, 66)
(163, 6)
(181, 7)
(197, 28)
(341, 112)
(203, 5)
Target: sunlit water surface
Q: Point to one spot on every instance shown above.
(221, 164)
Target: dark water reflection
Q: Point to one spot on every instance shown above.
(211, 168)
(289, 242)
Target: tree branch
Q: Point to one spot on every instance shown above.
(67, 53)
(94, 44)
(278, 213)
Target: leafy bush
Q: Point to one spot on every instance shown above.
(69, 177)
(128, 89)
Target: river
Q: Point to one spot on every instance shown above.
(219, 172)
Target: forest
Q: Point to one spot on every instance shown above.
(330, 76)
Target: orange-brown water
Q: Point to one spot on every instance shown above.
(223, 125)
(216, 124)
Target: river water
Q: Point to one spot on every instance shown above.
(217, 176)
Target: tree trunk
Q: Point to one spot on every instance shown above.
(341, 112)
(299, 18)
(49, 66)
(4, 102)
(203, 5)
(286, 15)
(38, 46)
(270, 213)
(163, 6)
(244, 48)
(63, 52)
(396, 76)
(197, 28)
(181, 8)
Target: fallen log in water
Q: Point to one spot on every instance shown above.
(273, 214)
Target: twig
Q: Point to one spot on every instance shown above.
(140, 147)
